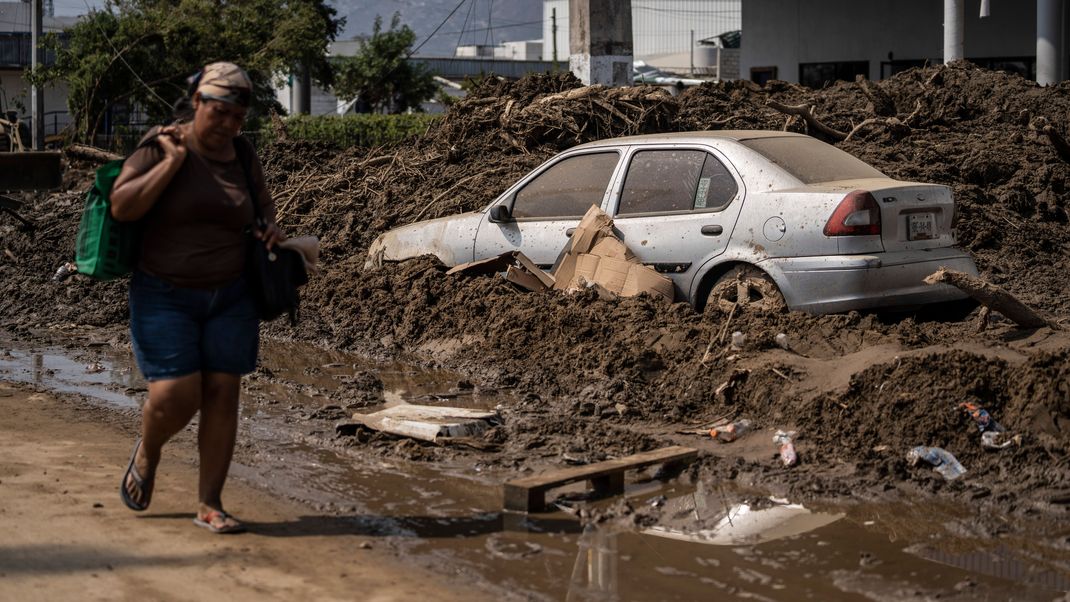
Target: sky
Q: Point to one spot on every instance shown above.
(472, 21)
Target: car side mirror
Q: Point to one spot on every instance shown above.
(500, 213)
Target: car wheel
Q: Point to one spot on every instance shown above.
(746, 287)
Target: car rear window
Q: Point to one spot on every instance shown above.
(811, 160)
(568, 188)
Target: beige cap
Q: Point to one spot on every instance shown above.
(227, 82)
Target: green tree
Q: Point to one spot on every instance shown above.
(380, 76)
(140, 52)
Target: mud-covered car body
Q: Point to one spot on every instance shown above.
(833, 233)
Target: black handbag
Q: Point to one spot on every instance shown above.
(274, 275)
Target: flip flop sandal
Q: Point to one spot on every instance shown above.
(226, 526)
(144, 485)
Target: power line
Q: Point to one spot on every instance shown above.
(489, 39)
(120, 56)
(464, 26)
(459, 4)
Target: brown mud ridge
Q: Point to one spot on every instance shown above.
(602, 378)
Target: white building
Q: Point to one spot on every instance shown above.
(665, 33)
(15, 47)
(817, 41)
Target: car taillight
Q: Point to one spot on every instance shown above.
(857, 214)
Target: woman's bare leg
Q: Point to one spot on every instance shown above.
(169, 408)
(218, 430)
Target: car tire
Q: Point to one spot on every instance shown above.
(747, 288)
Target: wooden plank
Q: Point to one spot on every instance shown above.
(30, 171)
(528, 494)
(564, 476)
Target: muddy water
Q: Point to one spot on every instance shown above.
(447, 515)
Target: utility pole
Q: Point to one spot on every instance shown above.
(553, 33)
(954, 25)
(37, 97)
(692, 53)
(600, 41)
(301, 91)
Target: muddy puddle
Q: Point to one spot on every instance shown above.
(707, 539)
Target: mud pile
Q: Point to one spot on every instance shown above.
(609, 377)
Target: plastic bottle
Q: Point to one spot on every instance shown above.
(785, 440)
(942, 460)
(731, 431)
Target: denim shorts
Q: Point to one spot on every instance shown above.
(178, 331)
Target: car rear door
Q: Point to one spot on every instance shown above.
(547, 204)
(676, 208)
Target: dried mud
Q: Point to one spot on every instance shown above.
(604, 378)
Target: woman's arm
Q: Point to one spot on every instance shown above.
(135, 193)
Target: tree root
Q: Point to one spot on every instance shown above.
(807, 113)
(993, 297)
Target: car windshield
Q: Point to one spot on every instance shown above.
(811, 160)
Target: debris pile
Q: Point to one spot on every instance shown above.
(577, 360)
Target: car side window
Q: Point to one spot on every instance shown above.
(568, 188)
(660, 181)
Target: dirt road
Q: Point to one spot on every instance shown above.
(64, 534)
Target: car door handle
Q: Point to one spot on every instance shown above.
(569, 232)
(712, 230)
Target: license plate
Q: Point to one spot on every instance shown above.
(922, 226)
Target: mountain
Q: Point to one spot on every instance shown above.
(473, 22)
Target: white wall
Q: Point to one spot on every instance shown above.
(661, 29)
(784, 33)
(15, 91)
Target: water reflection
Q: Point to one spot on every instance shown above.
(594, 574)
(744, 523)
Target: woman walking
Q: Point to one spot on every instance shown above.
(193, 321)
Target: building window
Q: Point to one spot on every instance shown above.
(819, 75)
(762, 75)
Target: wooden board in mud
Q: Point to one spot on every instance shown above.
(607, 478)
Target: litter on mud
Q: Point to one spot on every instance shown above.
(429, 423)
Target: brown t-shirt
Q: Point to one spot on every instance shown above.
(194, 234)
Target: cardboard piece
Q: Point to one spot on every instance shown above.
(612, 273)
(517, 267)
(525, 279)
(644, 279)
(530, 267)
(485, 266)
(611, 246)
(594, 225)
(428, 422)
(594, 257)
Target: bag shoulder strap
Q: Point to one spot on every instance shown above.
(244, 149)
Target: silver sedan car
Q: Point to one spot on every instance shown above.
(729, 216)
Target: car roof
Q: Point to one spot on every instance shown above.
(683, 137)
